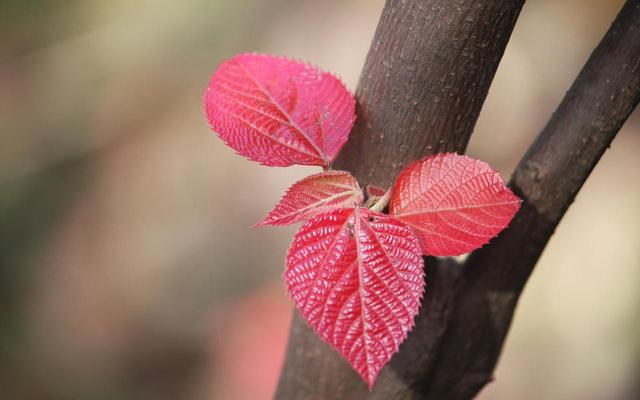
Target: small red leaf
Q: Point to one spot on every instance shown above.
(454, 203)
(279, 112)
(357, 277)
(315, 195)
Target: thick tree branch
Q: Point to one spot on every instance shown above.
(423, 84)
(424, 81)
(547, 178)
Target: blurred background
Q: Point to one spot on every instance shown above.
(128, 266)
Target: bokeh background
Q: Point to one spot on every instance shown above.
(128, 266)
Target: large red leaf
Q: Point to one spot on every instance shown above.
(279, 112)
(314, 195)
(357, 277)
(454, 203)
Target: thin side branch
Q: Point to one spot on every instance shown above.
(547, 178)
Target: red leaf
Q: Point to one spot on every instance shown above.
(454, 203)
(357, 277)
(314, 195)
(279, 112)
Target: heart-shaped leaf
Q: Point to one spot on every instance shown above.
(454, 203)
(279, 112)
(314, 195)
(357, 277)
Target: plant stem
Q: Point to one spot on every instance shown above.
(382, 202)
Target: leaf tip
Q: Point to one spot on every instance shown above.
(260, 224)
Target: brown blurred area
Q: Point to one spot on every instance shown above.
(128, 265)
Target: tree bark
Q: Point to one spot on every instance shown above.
(547, 178)
(424, 81)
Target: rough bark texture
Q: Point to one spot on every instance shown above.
(547, 178)
(424, 81)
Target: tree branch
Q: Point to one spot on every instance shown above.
(413, 101)
(547, 178)
(424, 81)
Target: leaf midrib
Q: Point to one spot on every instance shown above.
(320, 152)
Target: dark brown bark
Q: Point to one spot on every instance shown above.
(425, 79)
(547, 178)
(423, 84)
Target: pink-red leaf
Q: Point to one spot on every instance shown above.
(357, 277)
(279, 112)
(454, 203)
(314, 195)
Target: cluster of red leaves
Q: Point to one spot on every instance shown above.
(355, 274)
